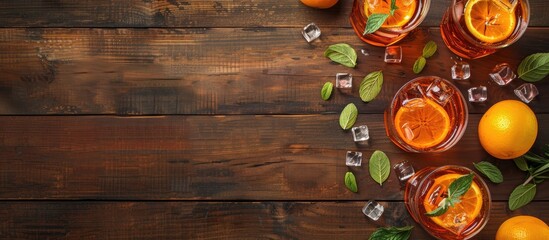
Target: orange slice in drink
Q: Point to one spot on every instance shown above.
(401, 16)
(489, 21)
(422, 123)
(462, 213)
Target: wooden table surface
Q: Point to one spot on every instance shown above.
(198, 119)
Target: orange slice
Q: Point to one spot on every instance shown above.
(489, 21)
(462, 213)
(401, 16)
(422, 123)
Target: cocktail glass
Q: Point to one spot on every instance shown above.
(408, 15)
(477, 28)
(427, 114)
(425, 189)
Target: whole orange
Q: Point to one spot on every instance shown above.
(508, 129)
(522, 228)
(322, 4)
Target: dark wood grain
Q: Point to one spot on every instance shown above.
(217, 71)
(291, 157)
(196, 13)
(216, 220)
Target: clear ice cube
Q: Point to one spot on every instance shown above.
(311, 32)
(412, 95)
(439, 91)
(502, 74)
(526, 92)
(373, 210)
(477, 94)
(461, 70)
(344, 80)
(360, 133)
(393, 54)
(353, 159)
(404, 171)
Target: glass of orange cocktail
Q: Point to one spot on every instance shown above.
(427, 114)
(429, 186)
(476, 28)
(407, 16)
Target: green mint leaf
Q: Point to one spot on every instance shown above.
(490, 171)
(521, 163)
(541, 170)
(393, 7)
(522, 195)
(374, 22)
(348, 116)
(326, 91)
(392, 233)
(430, 49)
(534, 67)
(350, 182)
(419, 64)
(532, 157)
(379, 166)
(371, 86)
(460, 186)
(341, 53)
(441, 209)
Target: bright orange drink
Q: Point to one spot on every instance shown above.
(476, 28)
(408, 15)
(429, 186)
(428, 114)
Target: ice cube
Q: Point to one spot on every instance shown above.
(412, 95)
(373, 210)
(526, 92)
(311, 32)
(344, 80)
(477, 94)
(353, 159)
(439, 91)
(502, 74)
(360, 133)
(461, 70)
(404, 170)
(393, 54)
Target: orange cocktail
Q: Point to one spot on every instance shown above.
(426, 189)
(428, 114)
(476, 28)
(408, 15)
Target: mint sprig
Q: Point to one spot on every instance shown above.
(376, 20)
(537, 168)
(456, 189)
(392, 233)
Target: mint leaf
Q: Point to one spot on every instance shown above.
(371, 86)
(419, 65)
(438, 211)
(393, 7)
(534, 67)
(522, 195)
(429, 49)
(460, 186)
(374, 22)
(521, 163)
(348, 116)
(350, 182)
(326, 91)
(379, 166)
(490, 171)
(392, 233)
(341, 53)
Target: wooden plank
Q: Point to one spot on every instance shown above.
(213, 220)
(217, 71)
(282, 157)
(196, 13)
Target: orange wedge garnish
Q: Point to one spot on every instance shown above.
(465, 211)
(489, 21)
(401, 16)
(422, 123)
